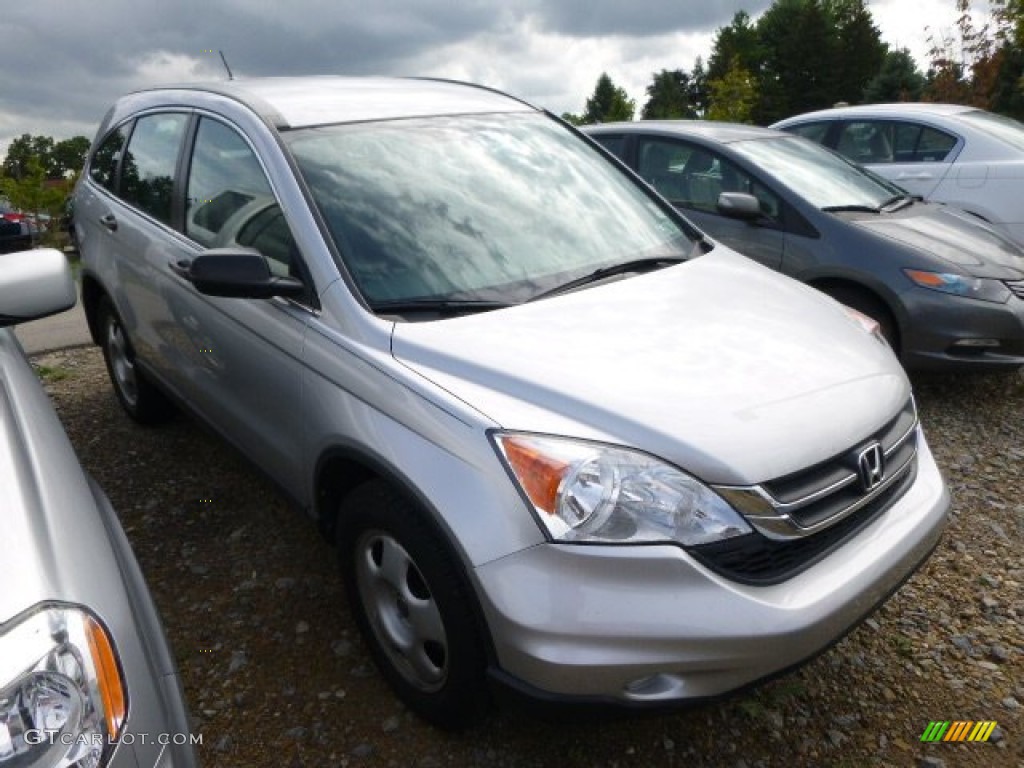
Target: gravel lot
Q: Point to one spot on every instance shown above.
(276, 675)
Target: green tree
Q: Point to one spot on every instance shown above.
(68, 156)
(732, 96)
(737, 42)
(799, 70)
(59, 159)
(33, 193)
(698, 95)
(898, 79)
(609, 103)
(668, 96)
(859, 53)
(22, 150)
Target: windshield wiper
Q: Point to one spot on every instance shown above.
(851, 209)
(896, 202)
(635, 265)
(440, 306)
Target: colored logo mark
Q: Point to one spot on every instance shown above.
(958, 730)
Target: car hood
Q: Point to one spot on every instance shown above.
(53, 544)
(967, 243)
(727, 369)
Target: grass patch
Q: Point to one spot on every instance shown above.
(51, 374)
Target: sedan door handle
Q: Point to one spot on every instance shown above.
(109, 221)
(914, 177)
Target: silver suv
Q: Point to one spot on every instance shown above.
(562, 440)
(86, 677)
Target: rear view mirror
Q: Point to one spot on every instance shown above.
(238, 273)
(739, 205)
(34, 284)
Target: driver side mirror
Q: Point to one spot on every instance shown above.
(237, 273)
(739, 205)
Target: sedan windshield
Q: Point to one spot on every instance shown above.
(494, 209)
(824, 179)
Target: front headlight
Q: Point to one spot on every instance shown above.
(589, 492)
(62, 700)
(961, 285)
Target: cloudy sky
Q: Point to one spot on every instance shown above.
(62, 62)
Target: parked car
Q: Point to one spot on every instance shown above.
(86, 677)
(945, 153)
(562, 440)
(16, 232)
(947, 290)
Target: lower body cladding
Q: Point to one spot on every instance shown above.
(944, 332)
(650, 625)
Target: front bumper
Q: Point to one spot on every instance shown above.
(945, 332)
(649, 625)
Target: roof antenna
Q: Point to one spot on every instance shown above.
(223, 59)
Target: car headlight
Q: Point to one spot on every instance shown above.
(589, 492)
(961, 285)
(62, 699)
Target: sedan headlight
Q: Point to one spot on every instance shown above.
(62, 699)
(589, 492)
(961, 285)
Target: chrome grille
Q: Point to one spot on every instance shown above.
(799, 517)
(1017, 286)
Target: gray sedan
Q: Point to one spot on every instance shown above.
(86, 677)
(947, 290)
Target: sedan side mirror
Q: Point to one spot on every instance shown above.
(739, 205)
(34, 284)
(237, 273)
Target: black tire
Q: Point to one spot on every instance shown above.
(868, 304)
(412, 606)
(140, 399)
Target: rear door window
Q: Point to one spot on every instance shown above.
(148, 167)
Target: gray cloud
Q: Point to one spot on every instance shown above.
(63, 63)
(642, 18)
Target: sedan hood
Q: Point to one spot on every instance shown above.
(727, 369)
(957, 238)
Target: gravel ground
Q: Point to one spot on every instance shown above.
(276, 674)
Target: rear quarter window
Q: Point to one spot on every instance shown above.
(103, 167)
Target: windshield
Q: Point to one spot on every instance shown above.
(821, 177)
(1004, 128)
(485, 208)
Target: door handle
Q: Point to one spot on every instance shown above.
(914, 177)
(181, 268)
(109, 221)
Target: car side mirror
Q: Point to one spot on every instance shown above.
(34, 284)
(739, 205)
(237, 273)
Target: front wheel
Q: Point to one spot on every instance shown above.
(140, 399)
(412, 606)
